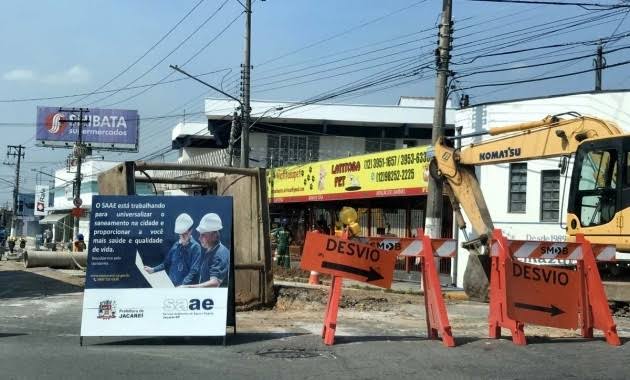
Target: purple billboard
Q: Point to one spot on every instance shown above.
(106, 129)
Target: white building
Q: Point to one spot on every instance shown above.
(528, 200)
(285, 133)
(60, 220)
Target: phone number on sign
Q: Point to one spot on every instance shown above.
(394, 175)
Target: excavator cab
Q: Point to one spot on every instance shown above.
(599, 197)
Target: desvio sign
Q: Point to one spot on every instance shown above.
(105, 128)
(349, 259)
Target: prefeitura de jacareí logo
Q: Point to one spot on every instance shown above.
(107, 310)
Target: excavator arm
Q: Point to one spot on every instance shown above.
(455, 168)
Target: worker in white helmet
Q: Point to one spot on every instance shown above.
(215, 260)
(181, 263)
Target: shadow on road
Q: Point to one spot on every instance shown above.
(459, 341)
(8, 335)
(232, 340)
(21, 284)
(549, 340)
(377, 338)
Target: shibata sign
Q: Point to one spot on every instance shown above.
(107, 129)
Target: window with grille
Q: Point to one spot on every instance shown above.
(550, 196)
(285, 150)
(379, 145)
(518, 187)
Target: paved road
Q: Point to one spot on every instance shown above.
(40, 320)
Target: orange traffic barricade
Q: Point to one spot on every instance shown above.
(373, 263)
(567, 297)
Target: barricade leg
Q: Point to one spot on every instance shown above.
(598, 313)
(332, 309)
(437, 317)
(498, 316)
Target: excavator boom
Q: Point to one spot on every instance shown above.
(550, 137)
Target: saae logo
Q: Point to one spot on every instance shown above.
(182, 304)
(54, 123)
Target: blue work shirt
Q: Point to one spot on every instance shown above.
(215, 262)
(182, 263)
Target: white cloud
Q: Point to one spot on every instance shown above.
(74, 75)
(19, 75)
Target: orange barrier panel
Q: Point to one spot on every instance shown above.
(568, 298)
(437, 317)
(426, 249)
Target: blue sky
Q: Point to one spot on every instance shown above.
(65, 47)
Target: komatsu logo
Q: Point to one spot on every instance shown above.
(499, 154)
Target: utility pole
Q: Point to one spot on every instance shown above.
(233, 132)
(600, 64)
(245, 77)
(79, 151)
(15, 151)
(433, 219)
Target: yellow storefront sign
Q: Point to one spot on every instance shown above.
(400, 172)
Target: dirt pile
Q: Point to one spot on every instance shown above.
(303, 298)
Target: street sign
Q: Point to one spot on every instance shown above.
(543, 295)
(77, 202)
(349, 259)
(77, 212)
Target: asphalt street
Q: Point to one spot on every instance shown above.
(40, 321)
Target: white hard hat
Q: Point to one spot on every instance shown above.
(210, 222)
(183, 223)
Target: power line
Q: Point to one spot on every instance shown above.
(199, 51)
(212, 15)
(531, 80)
(21, 100)
(542, 2)
(342, 33)
(142, 56)
(538, 64)
(544, 47)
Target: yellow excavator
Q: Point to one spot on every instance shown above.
(599, 193)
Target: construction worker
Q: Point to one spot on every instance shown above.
(79, 244)
(181, 262)
(283, 238)
(214, 264)
(11, 243)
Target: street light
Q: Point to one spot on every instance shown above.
(232, 132)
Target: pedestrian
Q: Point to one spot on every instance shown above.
(214, 264)
(283, 238)
(181, 262)
(47, 236)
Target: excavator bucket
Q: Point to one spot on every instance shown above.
(477, 277)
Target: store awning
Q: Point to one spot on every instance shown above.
(52, 218)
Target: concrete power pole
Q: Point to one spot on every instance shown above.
(246, 86)
(433, 219)
(15, 151)
(79, 151)
(600, 64)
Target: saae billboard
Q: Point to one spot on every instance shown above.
(107, 129)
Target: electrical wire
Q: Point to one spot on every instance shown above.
(121, 73)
